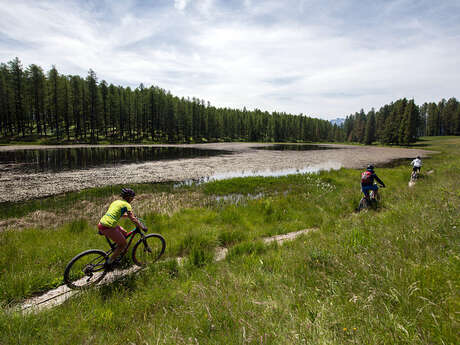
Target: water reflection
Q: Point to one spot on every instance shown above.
(276, 173)
(295, 147)
(63, 159)
(311, 169)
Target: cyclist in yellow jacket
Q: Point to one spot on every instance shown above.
(108, 225)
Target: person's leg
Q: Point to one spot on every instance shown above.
(375, 188)
(117, 235)
(365, 190)
(122, 244)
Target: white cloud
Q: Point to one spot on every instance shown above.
(181, 4)
(290, 56)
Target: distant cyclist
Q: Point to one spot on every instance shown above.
(108, 225)
(416, 166)
(367, 181)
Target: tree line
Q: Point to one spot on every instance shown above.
(69, 108)
(402, 122)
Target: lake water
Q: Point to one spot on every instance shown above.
(311, 169)
(96, 166)
(65, 159)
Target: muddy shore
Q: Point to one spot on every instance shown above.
(244, 160)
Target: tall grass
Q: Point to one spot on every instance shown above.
(389, 276)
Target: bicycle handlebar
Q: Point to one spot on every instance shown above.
(141, 221)
(140, 229)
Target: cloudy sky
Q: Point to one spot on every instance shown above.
(326, 58)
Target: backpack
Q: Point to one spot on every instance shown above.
(366, 177)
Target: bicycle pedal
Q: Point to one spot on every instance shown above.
(109, 267)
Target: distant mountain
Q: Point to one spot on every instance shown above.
(338, 121)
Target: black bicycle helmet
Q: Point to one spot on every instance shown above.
(127, 193)
(370, 167)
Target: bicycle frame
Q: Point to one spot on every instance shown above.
(369, 199)
(370, 195)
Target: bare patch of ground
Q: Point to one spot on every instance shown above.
(245, 159)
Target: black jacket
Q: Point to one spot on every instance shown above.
(373, 177)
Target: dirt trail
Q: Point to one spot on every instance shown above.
(246, 159)
(62, 293)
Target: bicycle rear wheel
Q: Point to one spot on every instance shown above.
(148, 249)
(363, 204)
(85, 269)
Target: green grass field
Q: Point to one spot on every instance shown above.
(389, 276)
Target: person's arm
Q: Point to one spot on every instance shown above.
(379, 180)
(133, 218)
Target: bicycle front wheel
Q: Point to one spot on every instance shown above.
(86, 269)
(148, 249)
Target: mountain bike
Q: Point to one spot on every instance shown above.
(90, 267)
(370, 201)
(414, 175)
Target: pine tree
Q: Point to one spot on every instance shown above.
(369, 135)
(448, 116)
(17, 81)
(457, 120)
(6, 121)
(104, 94)
(432, 119)
(91, 80)
(66, 105)
(53, 79)
(76, 98)
(36, 84)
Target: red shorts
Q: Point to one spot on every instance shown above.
(116, 234)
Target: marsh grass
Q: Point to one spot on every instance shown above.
(67, 201)
(230, 237)
(389, 276)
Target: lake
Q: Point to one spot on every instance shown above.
(65, 159)
(31, 172)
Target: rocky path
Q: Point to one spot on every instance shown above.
(62, 293)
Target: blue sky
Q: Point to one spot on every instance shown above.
(326, 59)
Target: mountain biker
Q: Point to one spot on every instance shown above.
(108, 225)
(416, 165)
(367, 181)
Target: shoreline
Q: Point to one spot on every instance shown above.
(245, 159)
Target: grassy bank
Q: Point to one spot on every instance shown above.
(389, 276)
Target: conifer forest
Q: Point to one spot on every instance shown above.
(35, 104)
